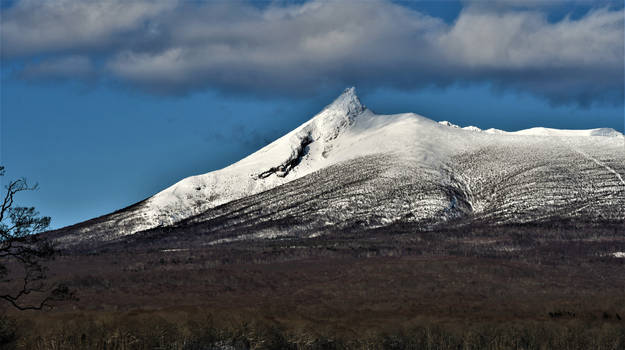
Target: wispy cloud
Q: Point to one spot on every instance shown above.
(66, 67)
(175, 48)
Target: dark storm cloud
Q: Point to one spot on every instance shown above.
(175, 48)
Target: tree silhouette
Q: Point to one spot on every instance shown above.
(23, 252)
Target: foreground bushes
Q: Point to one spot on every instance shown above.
(180, 331)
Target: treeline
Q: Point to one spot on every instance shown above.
(173, 331)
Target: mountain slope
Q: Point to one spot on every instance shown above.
(348, 166)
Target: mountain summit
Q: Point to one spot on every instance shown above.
(320, 130)
(336, 116)
(347, 103)
(349, 167)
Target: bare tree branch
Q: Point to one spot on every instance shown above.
(20, 245)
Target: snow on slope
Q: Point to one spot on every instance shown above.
(540, 131)
(300, 152)
(569, 133)
(346, 130)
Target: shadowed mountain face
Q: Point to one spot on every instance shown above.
(348, 168)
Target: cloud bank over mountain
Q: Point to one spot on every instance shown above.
(174, 48)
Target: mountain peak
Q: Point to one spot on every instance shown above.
(336, 116)
(347, 103)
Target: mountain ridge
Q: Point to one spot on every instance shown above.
(441, 157)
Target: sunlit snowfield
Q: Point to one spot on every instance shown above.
(348, 167)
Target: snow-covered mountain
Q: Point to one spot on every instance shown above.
(349, 165)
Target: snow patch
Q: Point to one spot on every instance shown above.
(540, 131)
(451, 125)
(471, 128)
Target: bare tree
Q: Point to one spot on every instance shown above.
(23, 252)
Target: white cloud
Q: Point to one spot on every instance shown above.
(40, 26)
(174, 48)
(518, 40)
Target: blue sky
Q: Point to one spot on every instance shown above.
(110, 111)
